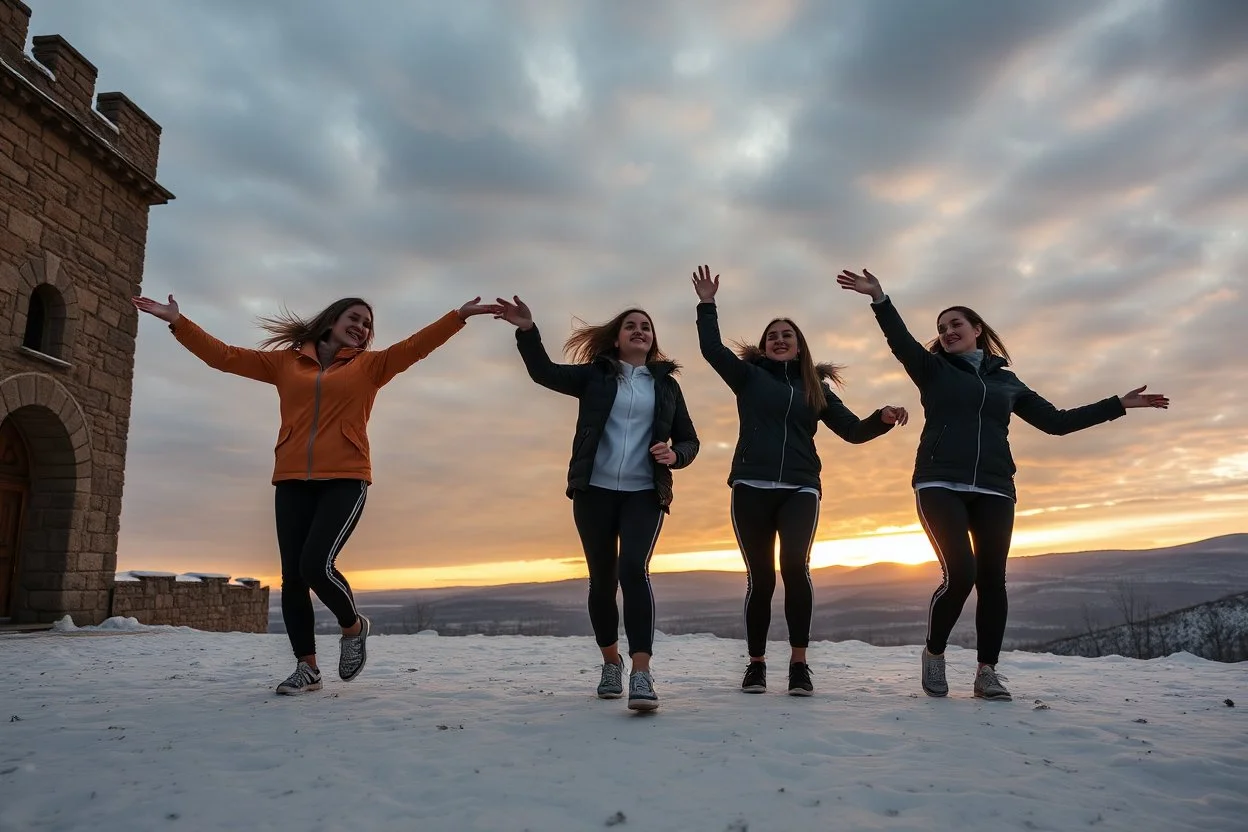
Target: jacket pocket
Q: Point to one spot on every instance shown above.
(936, 444)
(357, 439)
(283, 436)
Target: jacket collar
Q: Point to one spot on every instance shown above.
(344, 353)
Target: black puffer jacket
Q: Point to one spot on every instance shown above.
(595, 385)
(966, 413)
(776, 441)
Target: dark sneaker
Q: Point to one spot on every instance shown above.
(611, 685)
(988, 685)
(305, 679)
(755, 680)
(641, 695)
(352, 653)
(934, 683)
(799, 680)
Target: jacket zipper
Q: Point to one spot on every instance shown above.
(979, 430)
(632, 397)
(316, 418)
(785, 444)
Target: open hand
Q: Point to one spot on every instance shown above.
(515, 312)
(864, 284)
(662, 453)
(893, 415)
(704, 285)
(476, 307)
(1138, 398)
(167, 312)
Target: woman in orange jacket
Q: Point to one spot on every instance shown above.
(326, 379)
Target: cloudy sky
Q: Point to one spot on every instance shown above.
(1076, 171)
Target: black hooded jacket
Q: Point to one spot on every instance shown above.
(776, 441)
(595, 386)
(966, 411)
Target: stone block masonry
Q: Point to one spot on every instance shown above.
(208, 602)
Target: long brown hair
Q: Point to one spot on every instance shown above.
(287, 330)
(988, 341)
(812, 374)
(589, 342)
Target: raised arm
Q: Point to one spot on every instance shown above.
(260, 365)
(729, 366)
(918, 361)
(569, 379)
(842, 421)
(385, 364)
(1036, 411)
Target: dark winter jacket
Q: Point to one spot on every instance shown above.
(595, 386)
(966, 412)
(776, 441)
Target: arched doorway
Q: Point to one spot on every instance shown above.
(14, 493)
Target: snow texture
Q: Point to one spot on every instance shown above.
(167, 728)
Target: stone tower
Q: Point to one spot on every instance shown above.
(77, 178)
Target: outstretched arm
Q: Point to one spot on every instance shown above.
(730, 367)
(259, 365)
(1036, 411)
(388, 363)
(569, 379)
(917, 360)
(842, 421)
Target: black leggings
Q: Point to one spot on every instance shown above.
(971, 535)
(759, 515)
(618, 531)
(314, 520)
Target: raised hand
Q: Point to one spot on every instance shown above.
(704, 285)
(167, 312)
(864, 284)
(476, 307)
(515, 312)
(662, 453)
(893, 415)
(1138, 398)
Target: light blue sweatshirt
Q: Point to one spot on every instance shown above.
(623, 461)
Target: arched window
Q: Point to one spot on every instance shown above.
(45, 322)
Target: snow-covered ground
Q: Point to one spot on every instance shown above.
(168, 728)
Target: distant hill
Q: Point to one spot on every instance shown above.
(1216, 630)
(1051, 597)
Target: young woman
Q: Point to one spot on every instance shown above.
(632, 429)
(963, 471)
(326, 380)
(781, 398)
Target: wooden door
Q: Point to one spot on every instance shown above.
(14, 488)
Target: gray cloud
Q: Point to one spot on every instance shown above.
(1072, 170)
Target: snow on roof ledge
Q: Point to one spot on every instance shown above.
(143, 573)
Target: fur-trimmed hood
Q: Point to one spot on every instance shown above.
(754, 355)
(656, 368)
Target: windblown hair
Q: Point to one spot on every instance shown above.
(988, 341)
(287, 330)
(589, 342)
(813, 374)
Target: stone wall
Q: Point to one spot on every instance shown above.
(209, 603)
(76, 183)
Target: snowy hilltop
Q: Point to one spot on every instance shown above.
(132, 728)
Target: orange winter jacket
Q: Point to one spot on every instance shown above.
(324, 431)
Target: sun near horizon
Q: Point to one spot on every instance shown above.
(906, 546)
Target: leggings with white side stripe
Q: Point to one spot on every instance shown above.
(759, 516)
(971, 535)
(618, 531)
(314, 520)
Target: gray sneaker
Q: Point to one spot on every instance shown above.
(641, 695)
(988, 685)
(352, 653)
(305, 679)
(611, 685)
(934, 683)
